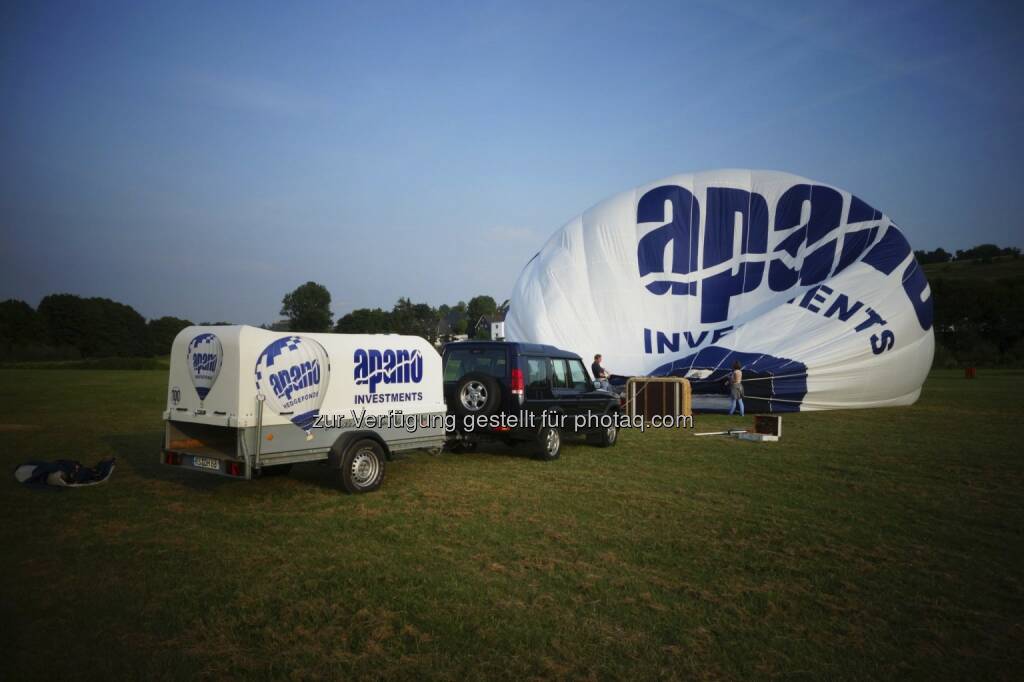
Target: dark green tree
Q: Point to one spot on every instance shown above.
(308, 308)
(939, 255)
(479, 306)
(416, 319)
(984, 252)
(364, 321)
(162, 332)
(97, 327)
(19, 324)
(64, 318)
(23, 335)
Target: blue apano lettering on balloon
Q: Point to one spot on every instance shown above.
(808, 213)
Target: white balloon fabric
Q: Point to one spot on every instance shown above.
(814, 292)
(292, 373)
(204, 356)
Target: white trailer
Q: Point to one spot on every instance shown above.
(244, 402)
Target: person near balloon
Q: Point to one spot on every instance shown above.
(600, 374)
(735, 383)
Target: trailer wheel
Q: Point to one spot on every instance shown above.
(362, 467)
(549, 443)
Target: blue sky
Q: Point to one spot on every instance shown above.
(202, 159)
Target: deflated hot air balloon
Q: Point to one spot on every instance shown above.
(204, 356)
(816, 293)
(292, 373)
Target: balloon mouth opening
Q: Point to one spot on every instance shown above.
(305, 421)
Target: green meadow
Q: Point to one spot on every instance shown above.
(866, 544)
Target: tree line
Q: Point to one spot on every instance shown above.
(70, 327)
(308, 309)
(983, 253)
(978, 321)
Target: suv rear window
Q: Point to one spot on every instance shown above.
(461, 361)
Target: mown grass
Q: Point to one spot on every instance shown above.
(866, 544)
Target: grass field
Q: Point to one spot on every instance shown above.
(867, 544)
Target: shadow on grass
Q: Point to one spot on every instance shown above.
(140, 453)
(318, 474)
(526, 449)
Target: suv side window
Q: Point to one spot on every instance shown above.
(536, 372)
(579, 375)
(559, 373)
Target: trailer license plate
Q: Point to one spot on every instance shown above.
(206, 463)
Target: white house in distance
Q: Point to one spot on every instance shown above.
(498, 327)
(491, 326)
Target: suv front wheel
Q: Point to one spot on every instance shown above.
(549, 443)
(604, 437)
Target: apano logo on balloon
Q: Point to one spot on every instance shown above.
(292, 373)
(204, 356)
(737, 252)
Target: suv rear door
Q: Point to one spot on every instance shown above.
(461, 359)
(566, 394)
(537, 382)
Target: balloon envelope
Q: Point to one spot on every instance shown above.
(813, 291)
(205, 355)
(292, 373)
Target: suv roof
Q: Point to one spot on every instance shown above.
(516, 347)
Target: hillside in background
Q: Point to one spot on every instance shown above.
(979, 311)
(992, 269)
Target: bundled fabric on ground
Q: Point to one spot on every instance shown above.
(63, 473)
(812, 290)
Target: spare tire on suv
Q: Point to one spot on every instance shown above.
(477, 394)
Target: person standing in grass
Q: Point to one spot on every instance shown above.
(735, 382)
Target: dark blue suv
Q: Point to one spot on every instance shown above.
(524, 392)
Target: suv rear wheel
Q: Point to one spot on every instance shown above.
(477, 394)
(549, 443)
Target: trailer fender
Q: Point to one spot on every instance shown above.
(348, 438)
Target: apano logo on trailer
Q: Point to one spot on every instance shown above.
(389, 367)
